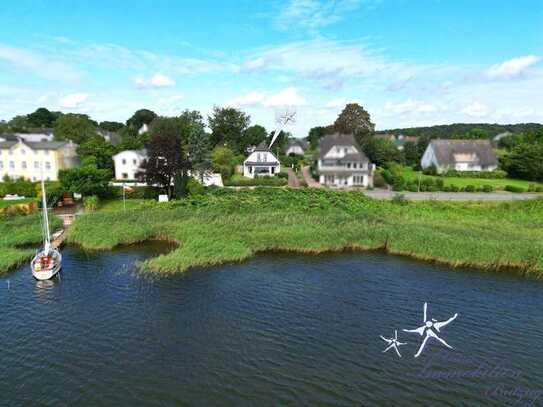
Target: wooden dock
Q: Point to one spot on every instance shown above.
(57, 239)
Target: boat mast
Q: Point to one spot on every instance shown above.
(46, 233)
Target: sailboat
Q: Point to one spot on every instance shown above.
(47, 262)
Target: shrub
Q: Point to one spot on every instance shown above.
(90, 203)
(469, 188)
(431, 170)
(440, 184)
(497, 174)
(412, 187)
(239, 181)
(378, 180)
(194, 187)
(399, 199)
(514, 188)
(488, 188)
(454, 188)
(538, 189)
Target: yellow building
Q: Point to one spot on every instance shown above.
(20, 158)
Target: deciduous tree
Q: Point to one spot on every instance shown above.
(228, 126)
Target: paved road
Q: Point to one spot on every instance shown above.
(311, 183)
(454, 196)
(293, 180)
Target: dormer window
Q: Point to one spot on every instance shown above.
(345, 150)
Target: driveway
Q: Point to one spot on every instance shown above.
(311, 183)
(453, 196)
(293, 180)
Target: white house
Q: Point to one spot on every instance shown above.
(296, 147)
(143, 129)
(30, 159)
(460, 155)
(128, 162)
(261, 162)
(342, 163)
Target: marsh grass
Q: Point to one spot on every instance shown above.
(17, 232)
(229, 226)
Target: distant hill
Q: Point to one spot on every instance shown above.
(457, 129)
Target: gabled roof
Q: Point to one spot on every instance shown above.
(35, 145)
(344, 140)
(445, 151)
(141, 153)
(303, 144)
(263, 146)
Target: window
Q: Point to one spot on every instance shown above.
(125, 175)
(23, 151)
(23, 165)
(345, 150)
(124, 161)
(46, 152)
(273, 170)
(1, 165)
(37, 165)
(10, 152)
(11, 165)
(47, 165)
(348, 165)
(135, 161)
(355, 165)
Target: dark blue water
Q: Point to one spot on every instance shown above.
(276, 330)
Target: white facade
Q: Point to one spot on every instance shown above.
(261, 162)
(127, 163)
(35, 137)
(143, 129)
(31, 160)
(341, 167)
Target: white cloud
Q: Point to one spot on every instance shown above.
(42, 65)
(336, 103)
(411, 106)
(312, 15)
(286, 97)
(156, 81)
(512, 68)
(476, 109)
(73, 100)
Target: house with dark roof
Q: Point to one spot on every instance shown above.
(342, 163)
(296, 146)
(261, 162)
(460, 155)
(20, 158)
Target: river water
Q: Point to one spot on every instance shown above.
(275, 330)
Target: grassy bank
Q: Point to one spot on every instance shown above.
(225, 226)
(17, 232)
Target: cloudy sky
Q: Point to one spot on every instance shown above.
(408, 62)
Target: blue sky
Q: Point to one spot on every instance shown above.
(409, 62)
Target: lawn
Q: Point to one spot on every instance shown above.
(226, 225)
(499, 184)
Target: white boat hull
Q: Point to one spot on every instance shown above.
(41, 272)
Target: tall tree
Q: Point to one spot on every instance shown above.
(228, 127)
(101, 151)
(141, 117)
(19, 124)
(354, 120)
(195, 141)
(111, 126)
(255, 135)
(165, 164)
(75, 127)
(316, 133)
(525, 161)
(380, 151)
(411, 154)
(43, 118)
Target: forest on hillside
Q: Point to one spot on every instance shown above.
(456, 129)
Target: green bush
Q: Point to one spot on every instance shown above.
(454, 188)
(497, 174)
(399, 199)
(378, 180)
(538, 189)
(488, 188)
(90, 203)
(240, 181)
(514, 188)
(194, 187)
(431, 170)
(412, 187)
(469, 188)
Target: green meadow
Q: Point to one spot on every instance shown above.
(230, 226)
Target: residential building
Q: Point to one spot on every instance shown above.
(460, 155)
(261, 162)
(127, 163)
(296, 147)
(342, 163)
(29, 159)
